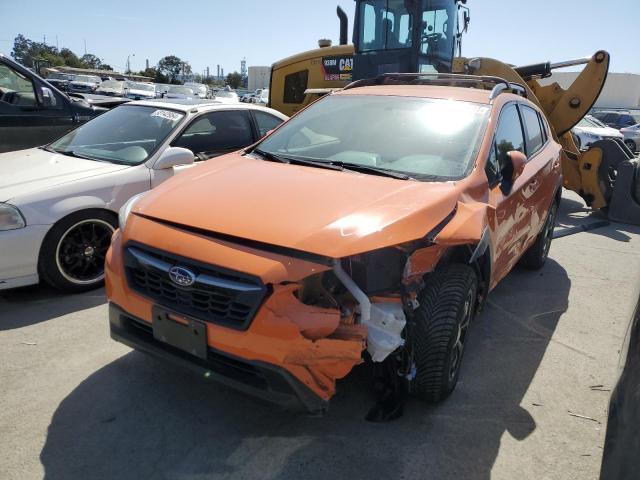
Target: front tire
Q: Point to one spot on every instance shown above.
(447, 307)
(73, 252)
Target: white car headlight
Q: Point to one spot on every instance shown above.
(10, 217)
(124, 212)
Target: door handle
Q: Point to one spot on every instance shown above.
(534, 183)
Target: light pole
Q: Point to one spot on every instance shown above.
(129, 62)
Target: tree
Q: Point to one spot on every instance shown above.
(106, 66)
(22, 47)
(70, 58)
(234, 80)
(91, 61)
(171, 67)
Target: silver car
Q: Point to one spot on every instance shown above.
(590, 130)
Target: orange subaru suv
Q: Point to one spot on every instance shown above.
(370, 227)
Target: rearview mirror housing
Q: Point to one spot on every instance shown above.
(513, 168)
(174, 156)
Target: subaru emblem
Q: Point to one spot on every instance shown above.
(181, 276)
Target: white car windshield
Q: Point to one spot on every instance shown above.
(226, 94)
(180, 89)
(86, 79)
(146, 87)
(112, 84)
(421, 137)
(128, 135)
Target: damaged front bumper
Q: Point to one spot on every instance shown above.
(259, 379)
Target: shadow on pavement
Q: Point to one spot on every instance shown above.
(141, 418)
(574, 214)
(38, 303)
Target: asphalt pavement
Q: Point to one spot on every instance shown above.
(531, 402)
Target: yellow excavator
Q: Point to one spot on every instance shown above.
(425, 37)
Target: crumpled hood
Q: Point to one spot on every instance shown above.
(315, 210)
(28, 171)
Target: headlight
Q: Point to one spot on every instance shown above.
(124, 212)
(10, 217)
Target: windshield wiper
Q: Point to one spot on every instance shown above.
(296, 161)
(383, 172)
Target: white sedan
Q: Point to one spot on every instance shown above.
(589, 130)
(59, 203)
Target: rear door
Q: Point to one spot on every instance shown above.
(543, 162)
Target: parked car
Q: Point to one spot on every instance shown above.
(179, 92)
(60, 80)
(199, 89)
(246, 98)
(590, 130)
(632, 137)
(33, 111)
(59, 203)
(161, 89)
(141, 91)
(227, 96)
(379, 216)
(113, 88)
(84, 83)
(262, 98)
(616, 119)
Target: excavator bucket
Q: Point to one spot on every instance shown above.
(607, 175)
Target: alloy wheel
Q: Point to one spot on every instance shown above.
(81, 251)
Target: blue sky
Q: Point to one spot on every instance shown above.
(211, 32)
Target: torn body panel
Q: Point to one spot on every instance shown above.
(307, 341)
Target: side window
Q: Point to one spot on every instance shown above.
(532, 127)
(266, 122)
(627, 120)
(509, 133)
(16, 89)
(217, 132)
(493, 169)
(543, 128)
(294, 86)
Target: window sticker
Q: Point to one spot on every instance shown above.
(167, 114)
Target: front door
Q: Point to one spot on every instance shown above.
(24, 121)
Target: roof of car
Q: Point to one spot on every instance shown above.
(476, 95)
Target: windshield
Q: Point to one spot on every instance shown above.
(58, 76)
(420, 137)
(86, 79)
(146, 87)
(399, 24)
(588, 123)
(180, 89)
(225, 94)
(128, 134)
(112, 84)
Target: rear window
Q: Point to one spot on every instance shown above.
(532, 129)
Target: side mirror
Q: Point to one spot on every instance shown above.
(46, 97)
(172, 157)
(513, 168)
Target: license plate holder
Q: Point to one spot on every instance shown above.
(184, 333)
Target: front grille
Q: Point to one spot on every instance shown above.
(217, 295)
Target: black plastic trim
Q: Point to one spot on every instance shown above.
(259, 379)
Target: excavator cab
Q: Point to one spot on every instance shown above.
(407, 36)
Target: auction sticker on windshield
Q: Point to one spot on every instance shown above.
(167, 114)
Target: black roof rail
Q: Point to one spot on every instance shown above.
(443, 79)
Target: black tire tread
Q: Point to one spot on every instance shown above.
(436, 321)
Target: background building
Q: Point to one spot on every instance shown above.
(259, 77)
(621, 90)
